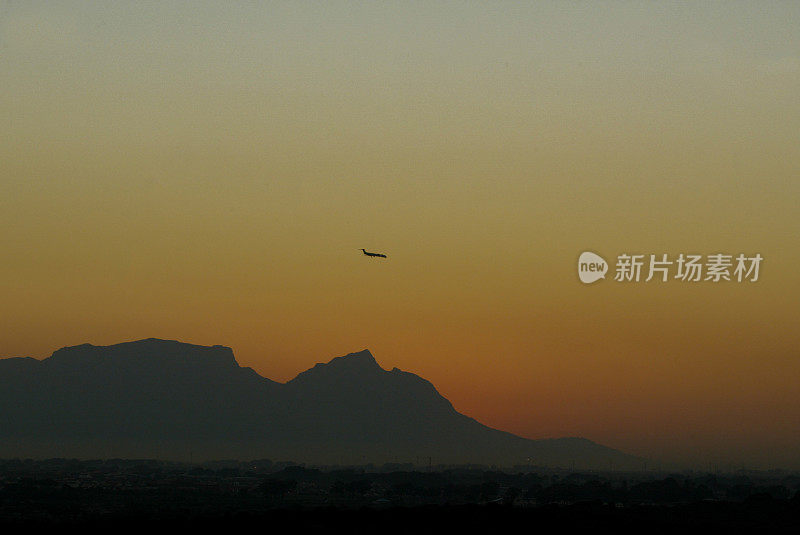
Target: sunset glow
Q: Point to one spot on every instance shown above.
(207, 172)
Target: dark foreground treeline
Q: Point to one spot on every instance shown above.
(113, 494)
(590, 517)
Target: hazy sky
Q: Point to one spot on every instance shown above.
(207, 171)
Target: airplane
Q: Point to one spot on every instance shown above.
(379, 255)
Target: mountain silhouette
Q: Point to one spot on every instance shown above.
(167, 399)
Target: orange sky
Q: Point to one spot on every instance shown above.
(207, 173)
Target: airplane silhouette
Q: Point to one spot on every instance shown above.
(379, 255)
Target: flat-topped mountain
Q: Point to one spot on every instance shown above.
(167, 399)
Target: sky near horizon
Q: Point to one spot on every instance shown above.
(207, 172)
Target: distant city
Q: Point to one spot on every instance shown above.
(68, 491)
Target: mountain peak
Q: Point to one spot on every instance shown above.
(353, 365)
(360, 360)
(363, 357)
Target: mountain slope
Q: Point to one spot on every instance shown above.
(159, 398)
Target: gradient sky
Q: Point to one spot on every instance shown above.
(207, 171)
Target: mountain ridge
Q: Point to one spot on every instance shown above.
(164, 398)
